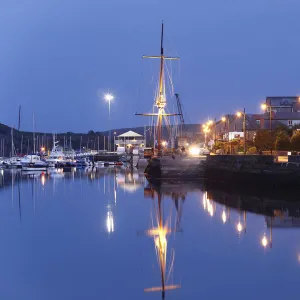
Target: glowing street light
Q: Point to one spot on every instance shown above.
(223, 119)
(240, 114)
(109, 97)
(264, 106)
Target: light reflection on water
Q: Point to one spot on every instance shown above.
(109, 234)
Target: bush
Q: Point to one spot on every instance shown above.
(282, 141)
(264, 140)
(295, 141)
(252, 150)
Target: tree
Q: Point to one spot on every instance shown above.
(295, 141)
(264, 140)
(284, 128)
(282, 141)
(91, 132)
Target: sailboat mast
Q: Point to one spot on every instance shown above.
(12, 142)
(33, 133)
(160, 100)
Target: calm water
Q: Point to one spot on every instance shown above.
(110, 235)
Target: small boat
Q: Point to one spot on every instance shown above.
(13, 163)
(57, 157)
(35, 167)
(83, 163)
(33, 163)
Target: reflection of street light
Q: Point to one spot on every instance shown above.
(110, 222)
(264, 241)
(224, 216)
(109, 97)
(239, 227)
(43, 179)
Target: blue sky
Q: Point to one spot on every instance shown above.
(58, 56)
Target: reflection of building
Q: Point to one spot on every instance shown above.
(130, 181)
(130, 140)
(282, 219)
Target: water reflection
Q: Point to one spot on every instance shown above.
(71, 207)
(280, 211)
(160, 231)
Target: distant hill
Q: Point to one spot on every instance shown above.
(89, 140)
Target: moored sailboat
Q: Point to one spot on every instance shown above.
(168, 166)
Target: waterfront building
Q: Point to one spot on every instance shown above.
(280, 111)
(129, 141)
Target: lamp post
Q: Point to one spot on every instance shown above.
(205, 130)
(109, 97)
(264, 107)
(240, 114)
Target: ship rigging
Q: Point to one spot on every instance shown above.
(160, 101)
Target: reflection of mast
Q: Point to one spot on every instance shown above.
(159, 234)
(19, 191)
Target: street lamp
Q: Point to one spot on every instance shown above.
(265, 107)
(239, 114)
(109, 97)
(205, 130)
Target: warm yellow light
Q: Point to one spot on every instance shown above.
(164, 143)
(194, 151)
(239, 227)
(239, 114)
(43, 179)
(224, 216)
(209, 122)
(108, 97)
(43, 149)
(223, 119)
(264, 106)
(264, 241)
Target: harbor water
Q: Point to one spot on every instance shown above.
(109, 234)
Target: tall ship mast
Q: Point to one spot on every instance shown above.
(160, 101)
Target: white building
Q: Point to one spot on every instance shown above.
(130, 140)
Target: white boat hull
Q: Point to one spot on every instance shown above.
(34, 169)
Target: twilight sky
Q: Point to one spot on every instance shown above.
(58, 57)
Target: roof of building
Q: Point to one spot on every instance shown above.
(130, 133)
(286, 116)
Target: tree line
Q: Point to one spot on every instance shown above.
(281, 139)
